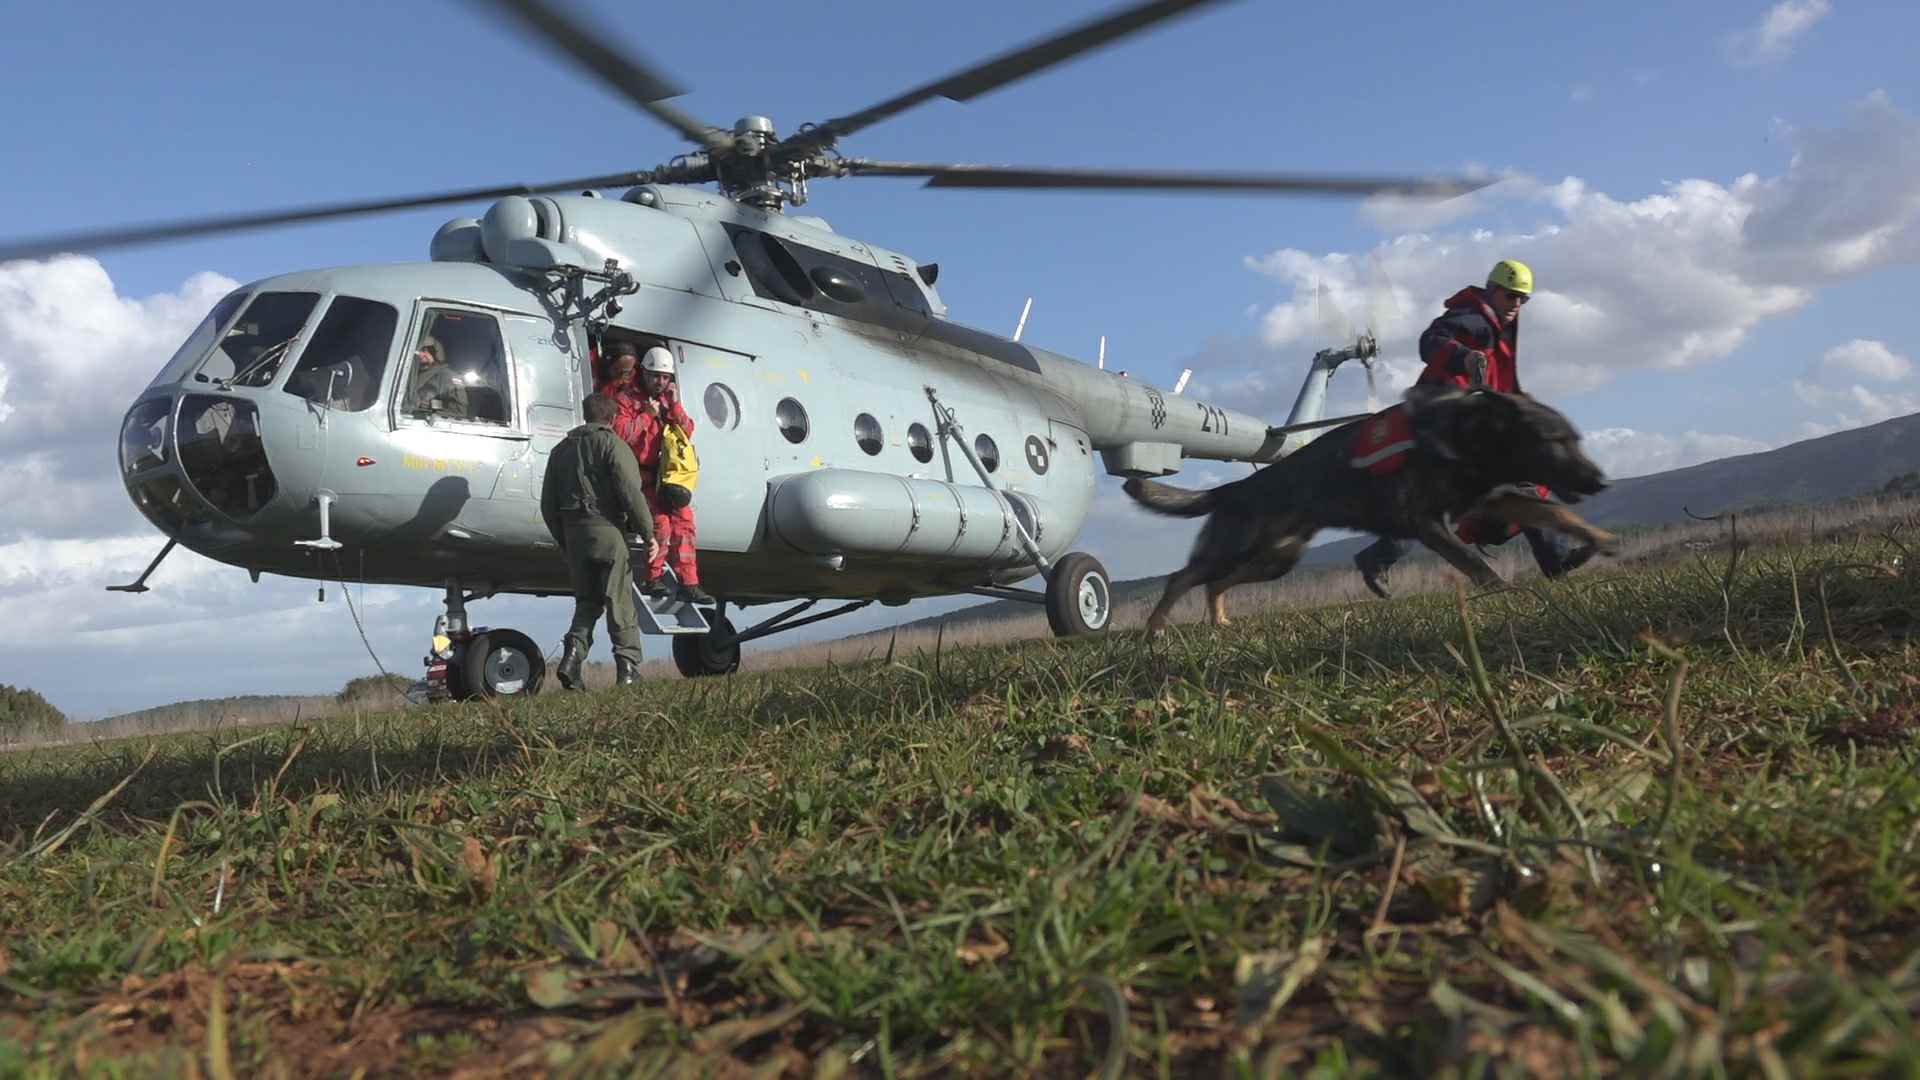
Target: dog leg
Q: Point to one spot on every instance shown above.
(1178, 585)
(1441, 541)
(1541, 514)
(1217, 603)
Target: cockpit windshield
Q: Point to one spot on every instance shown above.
(200, 340)
(253, 349)
(347, 355)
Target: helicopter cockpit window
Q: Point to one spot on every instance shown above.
(251, 352)
(200, 340)
(459, 369)
(347, 355)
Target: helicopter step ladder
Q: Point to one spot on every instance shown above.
(668, 614)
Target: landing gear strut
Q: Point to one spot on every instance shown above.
(465, 662)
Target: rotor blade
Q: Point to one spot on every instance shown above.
(1011, 176)
(121, 236)
(1007, 67)
(639, 82)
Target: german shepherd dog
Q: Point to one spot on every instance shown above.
(1472, 450)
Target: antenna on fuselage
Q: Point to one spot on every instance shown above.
(1103, 352)
(1022, 325)
(1185, 374)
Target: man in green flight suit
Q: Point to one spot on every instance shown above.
(591, 499)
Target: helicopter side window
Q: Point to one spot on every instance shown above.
(343, 362)
(251, 352)
(459, 369)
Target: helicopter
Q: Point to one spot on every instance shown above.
(857, 444)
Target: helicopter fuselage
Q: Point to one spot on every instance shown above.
(819, 372)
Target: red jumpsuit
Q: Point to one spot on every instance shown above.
(641, 429)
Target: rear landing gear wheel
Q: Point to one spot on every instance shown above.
(715, 652)
(501, 663)
(1079, 596)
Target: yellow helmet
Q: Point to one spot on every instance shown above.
(1512, 275)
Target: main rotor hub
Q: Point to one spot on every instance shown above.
(753, 134)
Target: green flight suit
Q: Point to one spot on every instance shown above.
(437, 389)
(590, 499)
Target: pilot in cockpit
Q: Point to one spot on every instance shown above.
(436, 388)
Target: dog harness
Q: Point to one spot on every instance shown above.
(1381, 444)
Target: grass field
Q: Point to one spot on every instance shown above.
(1656, 820)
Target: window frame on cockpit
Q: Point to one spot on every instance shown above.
(514, 427)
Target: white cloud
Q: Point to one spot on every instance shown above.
(1624, 452)
(1869, 358)
(75, 354)
(1581, 93)
(1856, 405)
(1774, 36)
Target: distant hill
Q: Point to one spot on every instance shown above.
(1854, 462)
(1847, 463)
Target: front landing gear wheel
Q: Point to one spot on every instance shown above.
(1079, 596)
(501, 663)
(715, 652)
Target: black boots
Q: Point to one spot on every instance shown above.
(568, 669)
(626, 672)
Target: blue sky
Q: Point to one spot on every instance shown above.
(128, 112)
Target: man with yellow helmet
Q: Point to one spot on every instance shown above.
(1476, 341)
(1475, 344)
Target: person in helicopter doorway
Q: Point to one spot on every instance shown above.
(436, 388)
(591, 498)
(1475, 344)
(621, 368)
(645, 410)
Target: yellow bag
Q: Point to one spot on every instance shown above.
(679, 467)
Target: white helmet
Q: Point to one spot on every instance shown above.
(657, 359)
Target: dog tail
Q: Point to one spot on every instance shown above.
(1172, 501)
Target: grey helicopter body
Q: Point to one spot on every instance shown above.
(390, 423)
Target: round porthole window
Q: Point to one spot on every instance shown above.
(722, 407)
(920, 443)
(983, 445)
(866, 432)
(792, 417)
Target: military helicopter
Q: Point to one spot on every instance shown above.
(857, 444)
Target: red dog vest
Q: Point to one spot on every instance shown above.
(1381, 444)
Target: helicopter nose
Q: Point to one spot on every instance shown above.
(196, 459)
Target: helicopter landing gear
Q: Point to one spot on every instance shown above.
(1079, 595)
(716, 652)
(501, 663)
(465, 663)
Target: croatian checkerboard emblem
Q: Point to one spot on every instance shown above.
(1159, 406)
(1037, 455)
